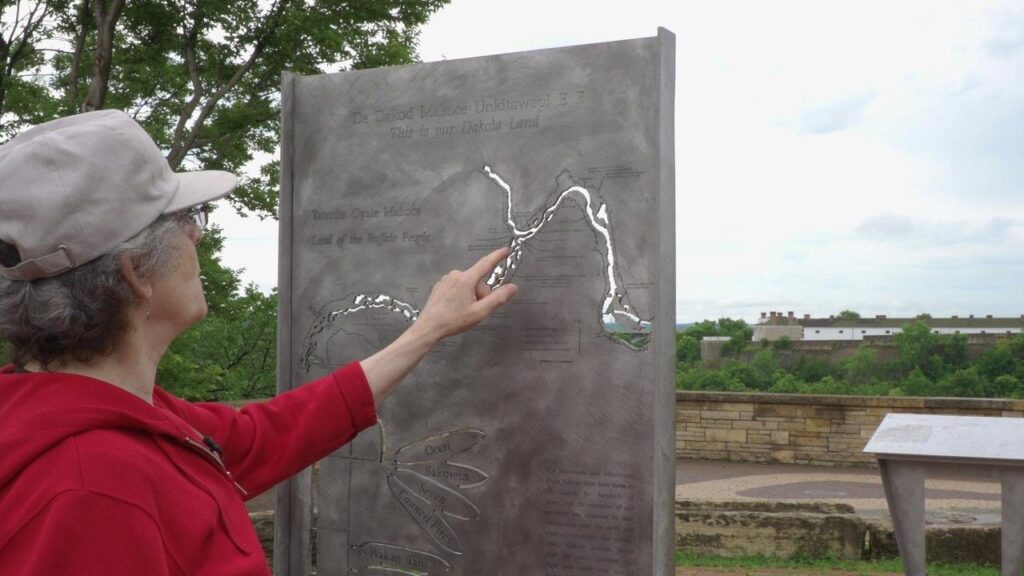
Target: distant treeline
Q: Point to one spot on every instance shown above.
(927, 364)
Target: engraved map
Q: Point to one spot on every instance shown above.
(527, 445)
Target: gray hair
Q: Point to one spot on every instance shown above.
(82, 313)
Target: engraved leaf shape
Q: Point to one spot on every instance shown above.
(431, 521)
(451, 474)
(439, 447)
(387, 559)
(442, 498)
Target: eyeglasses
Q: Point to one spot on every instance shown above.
(198, 215)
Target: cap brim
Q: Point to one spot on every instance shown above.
(200, 187)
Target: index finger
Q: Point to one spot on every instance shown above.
(485, 265)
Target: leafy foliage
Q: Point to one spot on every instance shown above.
(927, 364)
(201, 77)
(738, 332)
(687, 348)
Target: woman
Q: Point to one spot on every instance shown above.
(101, 471)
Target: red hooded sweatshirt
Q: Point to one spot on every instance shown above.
(95, 481)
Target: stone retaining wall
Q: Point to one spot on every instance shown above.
(786, 530)
(802, 429)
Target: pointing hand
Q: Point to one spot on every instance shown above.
(461, 299)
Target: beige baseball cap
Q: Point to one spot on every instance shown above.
(73, 189)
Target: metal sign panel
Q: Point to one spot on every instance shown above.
(542, 441)
(949, 437)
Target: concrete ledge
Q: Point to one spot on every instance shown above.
(946, 544)
(733, 529)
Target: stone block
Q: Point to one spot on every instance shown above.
(719, 415)
(695, 445)
(839, 445)
(783, 456)
(754, 425)
(783, 411)
(829, 413)
(730, 406)
(803, 440)
(758, 437)
(866, 420)
(716, 435)
(816, 425)
(780, 437)
(687, 415)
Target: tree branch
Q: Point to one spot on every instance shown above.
(76, 60)
(14, 26)
(180, 149)
(197, 93)
(106, 22)
(24, 47)
(11, 55)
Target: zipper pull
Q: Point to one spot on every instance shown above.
(215, 448)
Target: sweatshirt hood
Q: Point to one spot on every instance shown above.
(40, 410)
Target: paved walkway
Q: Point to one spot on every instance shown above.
(948, 501)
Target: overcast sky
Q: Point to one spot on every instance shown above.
(829, 155)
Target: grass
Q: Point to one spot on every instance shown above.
(817, 566)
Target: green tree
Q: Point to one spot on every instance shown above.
(937, 355)
(1006, 386)
(918, 349)
(201, 77)
(788, 384)
(952, 349)
(917, 384)
(24, 95)
(738, 332)
(742, 374)
(764, 365)
(809, 369)
(966, 383)
(687, 348)
(849, 315)
(999, 360)
(861, 368)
